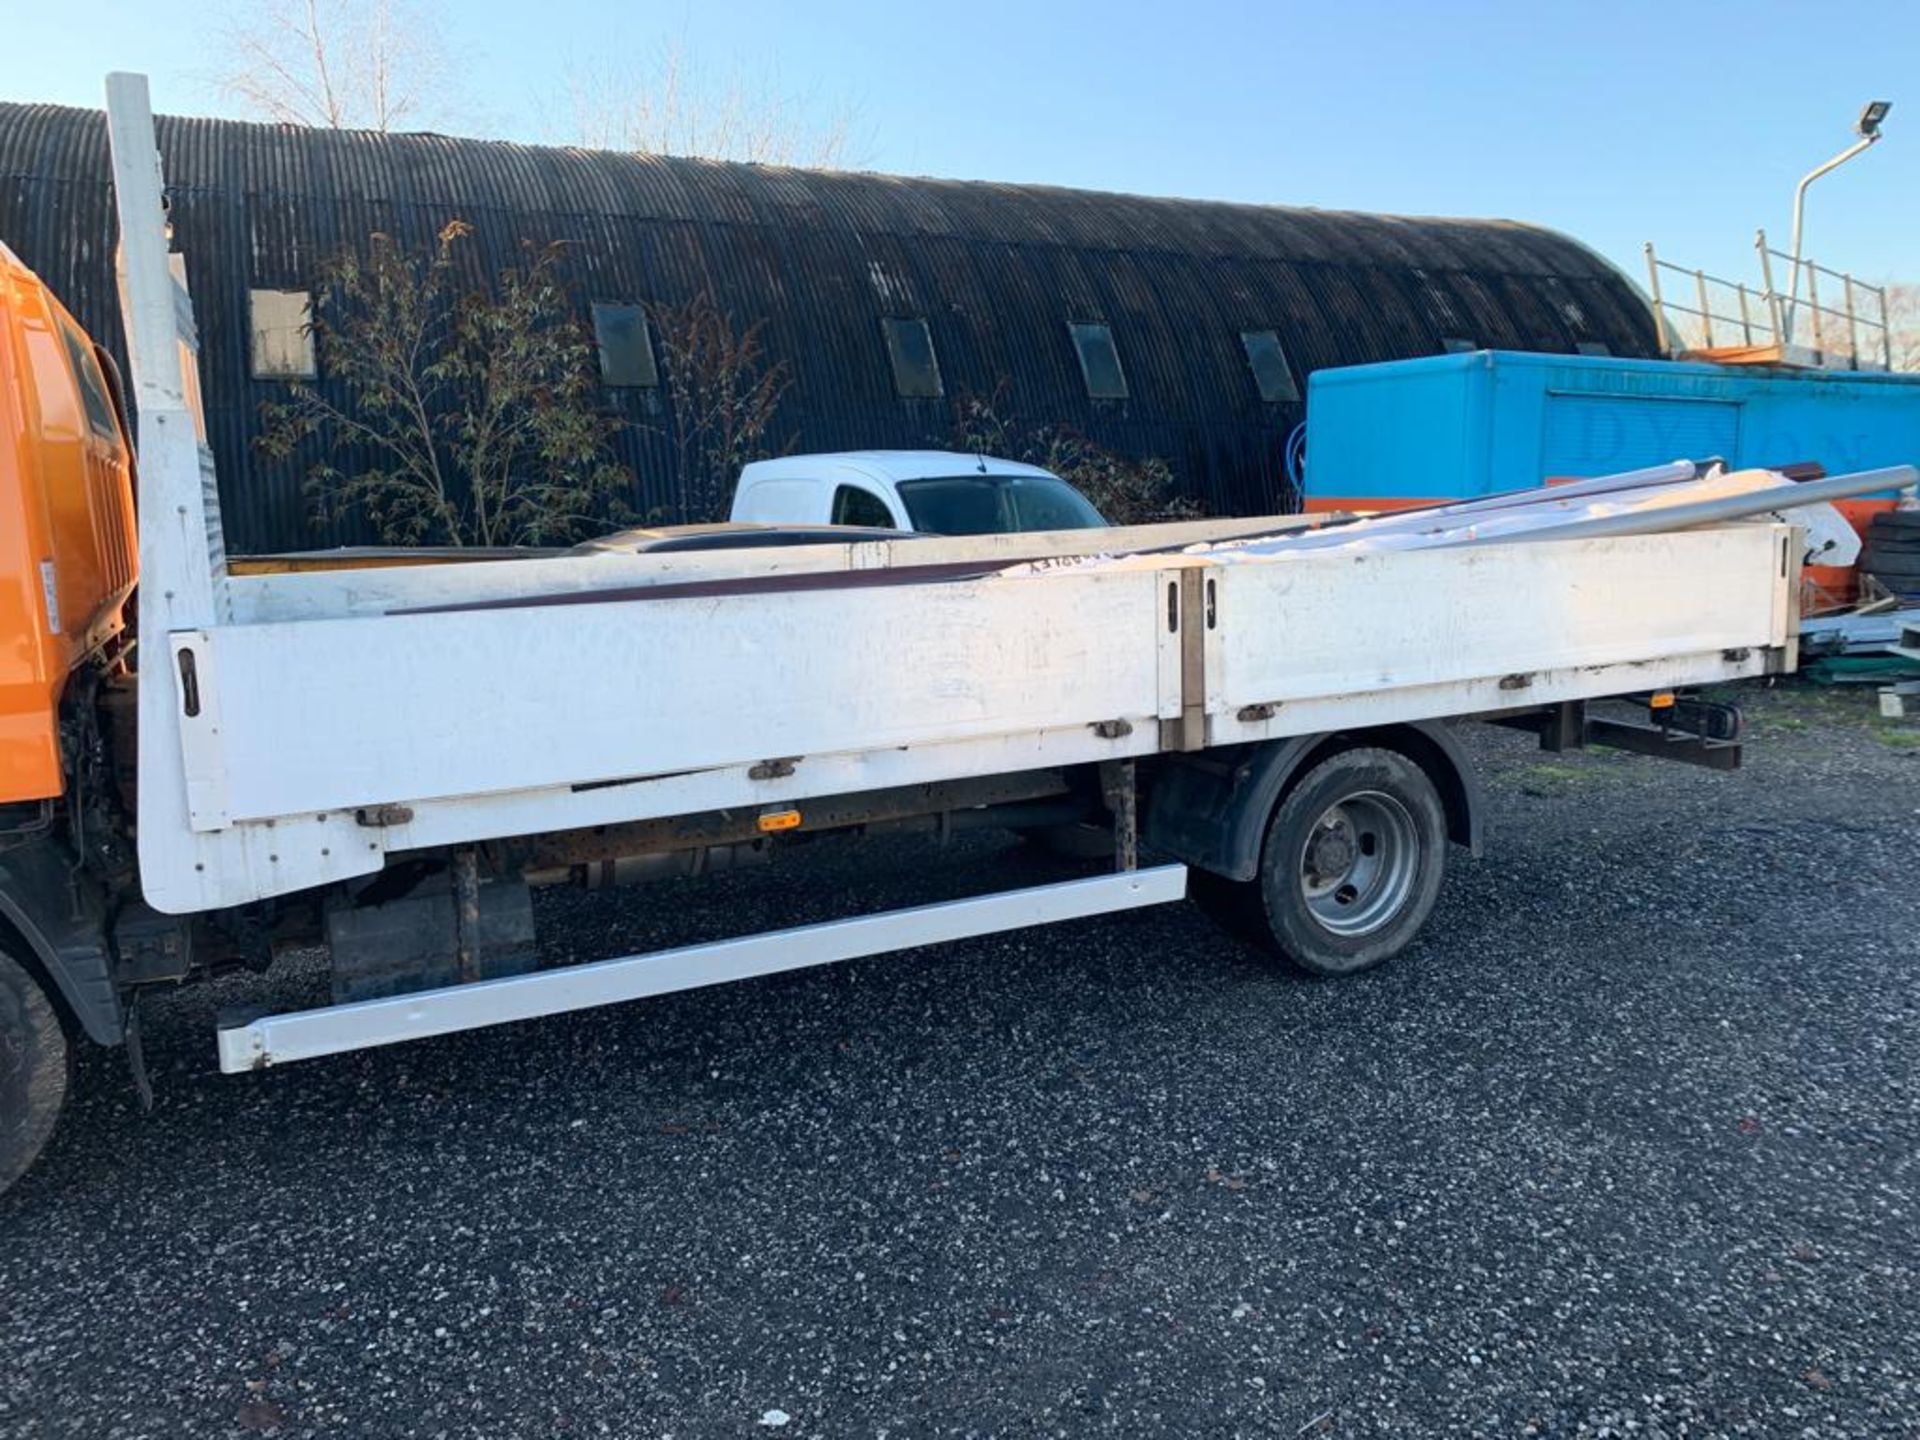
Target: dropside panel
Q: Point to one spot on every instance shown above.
(1370, 638)
(331, 715)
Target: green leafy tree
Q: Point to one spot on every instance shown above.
(465, 417)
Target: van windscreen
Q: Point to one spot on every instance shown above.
(996, 504)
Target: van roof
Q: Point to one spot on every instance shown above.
(888, 465)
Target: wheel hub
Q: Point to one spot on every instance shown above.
(1331, 853)
(1358, 866)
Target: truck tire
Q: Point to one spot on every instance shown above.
(1350, 868)
(35, 1067)
(1891, 567)
(1897, 537)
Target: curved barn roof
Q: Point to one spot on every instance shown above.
(997, 271)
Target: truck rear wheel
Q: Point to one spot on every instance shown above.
(35, 1066)
(1351, 866)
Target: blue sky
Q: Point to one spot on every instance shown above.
(1684, 123)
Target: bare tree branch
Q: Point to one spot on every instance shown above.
(1903, 325)
(677, 106)
(724, 395)
(338, 64)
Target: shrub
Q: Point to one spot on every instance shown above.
(468, 417)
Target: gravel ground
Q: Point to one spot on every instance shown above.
(1626, 1146)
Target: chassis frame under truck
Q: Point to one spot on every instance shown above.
(385, 761)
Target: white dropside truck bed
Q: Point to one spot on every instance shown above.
(474, 724)
(295, 730)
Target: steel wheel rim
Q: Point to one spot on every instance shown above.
(1358, 864)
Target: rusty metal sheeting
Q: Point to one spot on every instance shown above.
(997, 271)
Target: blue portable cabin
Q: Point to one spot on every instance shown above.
(1448, 427)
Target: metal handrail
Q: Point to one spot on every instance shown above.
(1766, 315)
(1854, 291)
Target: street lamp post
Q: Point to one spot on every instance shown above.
(1867, 127)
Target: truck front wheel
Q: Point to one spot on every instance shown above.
(34, 1069)
(1351, 865)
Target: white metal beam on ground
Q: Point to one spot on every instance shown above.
(303, 1035)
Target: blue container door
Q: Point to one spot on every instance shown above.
(1602, 434)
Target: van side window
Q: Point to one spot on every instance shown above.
(854, 506)
(93, 385)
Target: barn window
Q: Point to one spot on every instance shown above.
(626, 347)
(916, 369)
(282, 334)
(1268, 362)
(1593, 347)
(1457, 345)
(1099, 361)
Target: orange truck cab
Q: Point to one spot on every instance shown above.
(68, 553)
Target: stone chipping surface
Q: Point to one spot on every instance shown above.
(1627, 1145)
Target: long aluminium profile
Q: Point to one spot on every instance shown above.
(1788, 496)
(306, 1034)
(1440, 515)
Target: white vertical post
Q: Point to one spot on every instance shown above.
(1662, 335)
(1819, 315)
(1773, 294)
(182, 556)
(1853, 324)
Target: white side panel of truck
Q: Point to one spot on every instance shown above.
(334, 714)
(476, 724)
(1536, 622)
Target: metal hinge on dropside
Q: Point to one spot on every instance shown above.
(1190, 593)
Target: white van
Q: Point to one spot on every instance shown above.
(941, 492)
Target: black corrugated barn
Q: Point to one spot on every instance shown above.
(1214, 313)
